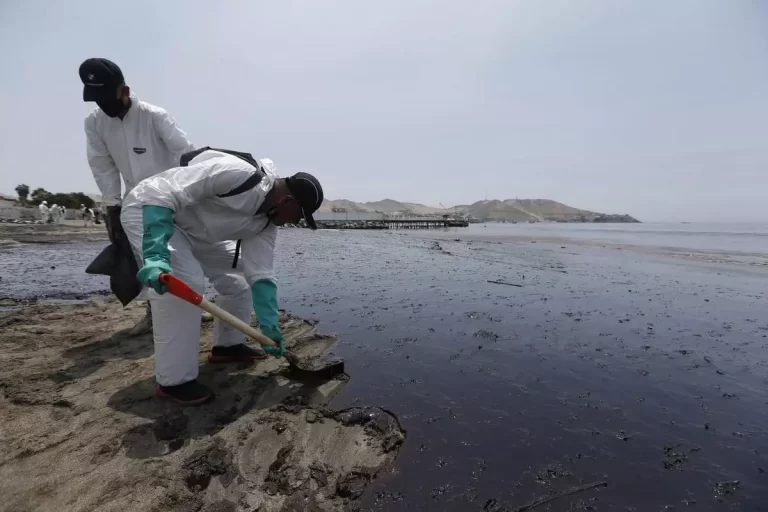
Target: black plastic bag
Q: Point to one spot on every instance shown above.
(118, 262)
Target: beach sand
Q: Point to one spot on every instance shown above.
(81, 430)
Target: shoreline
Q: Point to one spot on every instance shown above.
(68, 232)
(557, 243)
(12, 235)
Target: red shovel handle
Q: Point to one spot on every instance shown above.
(181, 289)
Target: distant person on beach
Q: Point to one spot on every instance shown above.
(45, 212)
(55, 214)
(183, 222)
(87, 215)
(125, 137)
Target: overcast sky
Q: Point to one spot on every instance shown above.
(657, 109)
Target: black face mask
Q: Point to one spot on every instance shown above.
(112, 108)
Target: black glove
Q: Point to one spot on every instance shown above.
(112, 220)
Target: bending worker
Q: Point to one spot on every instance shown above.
(182, 221)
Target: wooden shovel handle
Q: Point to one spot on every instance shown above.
(182, 290)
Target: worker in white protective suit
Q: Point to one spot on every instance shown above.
(183, 221)
(126, 138)
(56, 214)
(45, 212)
(87, 215)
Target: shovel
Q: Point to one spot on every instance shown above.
(314, 370)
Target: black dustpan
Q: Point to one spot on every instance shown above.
(117, 262)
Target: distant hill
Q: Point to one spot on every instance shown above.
(525, 210)
(383, 206)
(509, 210)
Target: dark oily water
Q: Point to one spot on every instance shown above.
(576, 367)
(644, 372)
(53, 271)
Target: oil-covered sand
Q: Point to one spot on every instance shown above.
(595, 378)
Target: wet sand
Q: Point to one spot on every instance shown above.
(607, 379)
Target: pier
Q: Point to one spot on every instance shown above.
(425, 223)
(366, 220)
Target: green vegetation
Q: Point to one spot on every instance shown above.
(70, 200)
(23, 191)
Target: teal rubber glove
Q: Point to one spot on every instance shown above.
(158, 230)
(149, 275)
(264, 293)
(275, 335)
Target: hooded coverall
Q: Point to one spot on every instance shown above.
(45, 212)
(56, 214)
(205, 223)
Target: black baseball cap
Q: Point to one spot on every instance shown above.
(308, 192)
(100, 77)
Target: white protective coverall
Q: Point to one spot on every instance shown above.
(145, 142)
(56, 214)
(202, 246)
(87, 215)
(45, 212)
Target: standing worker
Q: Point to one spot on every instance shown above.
(182, 222)
(44, 212)
(125, 137)
(56, 214)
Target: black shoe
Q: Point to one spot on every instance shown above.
(241, 352)
(189, 393)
